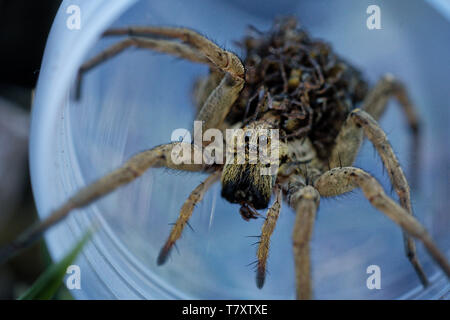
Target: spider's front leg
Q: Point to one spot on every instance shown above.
(264, 240)
(193, 47)
(341, 180)
(220, 100)
(160, 156)
(164, 46)
(305, 201)
(222, 59)
(185, 213)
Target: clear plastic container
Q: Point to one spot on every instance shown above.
(134, 102)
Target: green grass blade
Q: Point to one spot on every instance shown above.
(48, 283)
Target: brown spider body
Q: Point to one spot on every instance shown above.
(301, 81)
(288, 82)
(300, 87)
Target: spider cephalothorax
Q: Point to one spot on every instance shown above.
(297, 86)
(244, 181)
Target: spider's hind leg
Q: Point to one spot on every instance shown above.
(375, 104)
(376, 100)
(379, 139)
(340, 180)
(348, 141)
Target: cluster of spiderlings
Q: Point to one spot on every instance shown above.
(299, 79)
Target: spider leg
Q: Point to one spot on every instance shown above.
(186, 212)
(204, 86)
(267, 230)
(375, 104)
(194, 47)
(340, 180)
(305, 201)
(347, 145)
(224, 60)
(348, 142)
(379, 139)
(350, 137)
(159, 156)
(220, 100)
(377, 99)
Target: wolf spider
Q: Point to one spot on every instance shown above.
(292, 83)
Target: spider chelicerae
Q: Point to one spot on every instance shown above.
(298, 86)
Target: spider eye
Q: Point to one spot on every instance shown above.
(247, 136)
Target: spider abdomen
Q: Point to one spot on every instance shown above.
(299, 79)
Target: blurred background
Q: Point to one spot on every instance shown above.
(24, 27)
